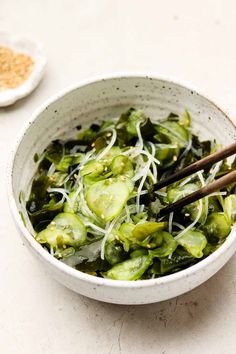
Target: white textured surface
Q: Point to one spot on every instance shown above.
(193, 41)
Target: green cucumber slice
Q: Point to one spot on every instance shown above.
(92, 168)
(122, 165)
(132, 269)
(66, 229)
(107, 198)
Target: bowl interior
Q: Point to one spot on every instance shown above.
(106, 99)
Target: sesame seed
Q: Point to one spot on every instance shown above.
(15, 68)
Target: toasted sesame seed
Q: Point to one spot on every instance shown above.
(15, 68)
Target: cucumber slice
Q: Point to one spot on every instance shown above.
(66, 229)
(141, 231)
(122, 165)
(180, 134)
(167, 154)
(129, 183)
(194, 242)
(132, 269)
(127, 230)
(92, 168)
(107, 198)
(107, 159)
(53, 237)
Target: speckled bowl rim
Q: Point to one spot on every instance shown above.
(167, 279)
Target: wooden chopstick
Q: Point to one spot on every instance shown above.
(197, 166)
(203, 192)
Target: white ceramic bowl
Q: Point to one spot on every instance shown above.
(105, 98)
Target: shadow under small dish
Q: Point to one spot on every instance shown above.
(88, 206)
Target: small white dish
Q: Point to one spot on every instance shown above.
(35, 51)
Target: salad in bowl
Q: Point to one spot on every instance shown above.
(94, 206)
(84, 188)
